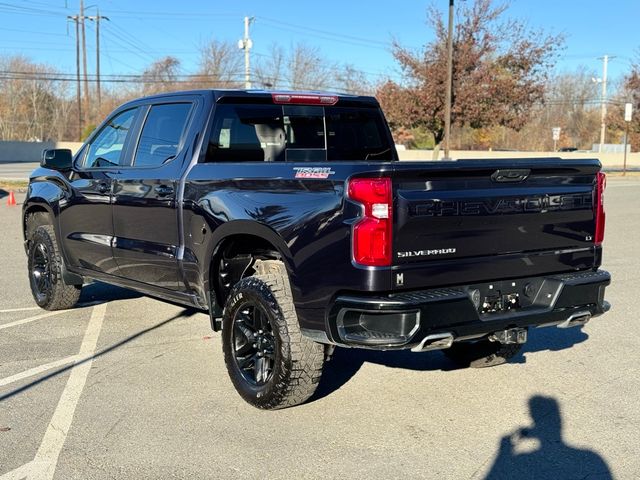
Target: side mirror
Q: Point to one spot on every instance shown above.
(57, 159)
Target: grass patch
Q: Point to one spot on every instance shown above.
(633, 173)
(18, 185)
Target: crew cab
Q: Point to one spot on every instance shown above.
(288, 217)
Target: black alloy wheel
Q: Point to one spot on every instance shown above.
(45, 269)
(40, 272)
(255, 346)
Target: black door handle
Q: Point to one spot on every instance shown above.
(103, 187)
(164, 190)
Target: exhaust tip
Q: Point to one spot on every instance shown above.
(575, 320)
(437, 341)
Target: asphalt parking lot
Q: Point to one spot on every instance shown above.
(126, 386)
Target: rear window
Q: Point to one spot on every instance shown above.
(297, 133)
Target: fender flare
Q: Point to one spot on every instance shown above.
(243, 227)
(39, 200)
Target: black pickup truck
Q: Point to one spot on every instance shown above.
(288, 217)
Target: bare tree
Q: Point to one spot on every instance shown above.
(270, 70)
(161, 76)
(221, 66)
(30, 100)
(307, 69)
(351, 80)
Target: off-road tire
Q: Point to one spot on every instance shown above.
(482, 353)
(298, 362)
(59, 295)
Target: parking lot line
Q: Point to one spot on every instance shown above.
(46, 460)
(44, 464)
(37, 370)
(17, 474)
(23, 309)
(32, 319)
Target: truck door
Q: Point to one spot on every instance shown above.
(86, 224)
(145, 210)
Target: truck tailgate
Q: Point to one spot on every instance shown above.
(467, 221)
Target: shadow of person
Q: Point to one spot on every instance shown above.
(552, 459)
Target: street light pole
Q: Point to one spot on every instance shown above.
(603, 108)
(448, 94)
(628, 107)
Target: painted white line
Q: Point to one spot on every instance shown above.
(37, 370)
(46, 460)
(17, 474)
(24, 309)
(32, 319)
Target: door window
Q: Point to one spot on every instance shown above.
(107, 147)
(162, 134)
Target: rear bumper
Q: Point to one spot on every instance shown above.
(404, 320)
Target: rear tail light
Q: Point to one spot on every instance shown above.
(601, 183)
(372, 233)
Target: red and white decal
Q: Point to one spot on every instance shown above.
(313, 172)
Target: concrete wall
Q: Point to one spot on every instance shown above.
(608, 160)
(12, 152)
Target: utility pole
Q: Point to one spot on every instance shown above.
(245, 44)
(75, 19)
(447, 102)
(97, 19)
(84, 61)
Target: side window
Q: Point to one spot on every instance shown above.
(162, 134)
(106, 148)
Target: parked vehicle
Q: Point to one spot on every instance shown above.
(288, 217)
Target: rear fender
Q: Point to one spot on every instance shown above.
(243, 227)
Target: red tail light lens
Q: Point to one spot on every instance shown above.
(601, 183)
(372, 234)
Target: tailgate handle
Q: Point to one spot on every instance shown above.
(511, 175)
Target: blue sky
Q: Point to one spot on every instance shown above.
(356, 32)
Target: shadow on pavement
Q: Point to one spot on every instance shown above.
(187, 312)
(97, 292)
(552, 458)
(346, 362)
(550, 339)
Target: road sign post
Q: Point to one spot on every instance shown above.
(628, 107)
(555, 132)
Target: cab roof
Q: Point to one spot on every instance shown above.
(280, 97)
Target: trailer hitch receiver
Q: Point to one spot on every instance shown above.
(510, 336)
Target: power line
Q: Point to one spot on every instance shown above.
(31, 32)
